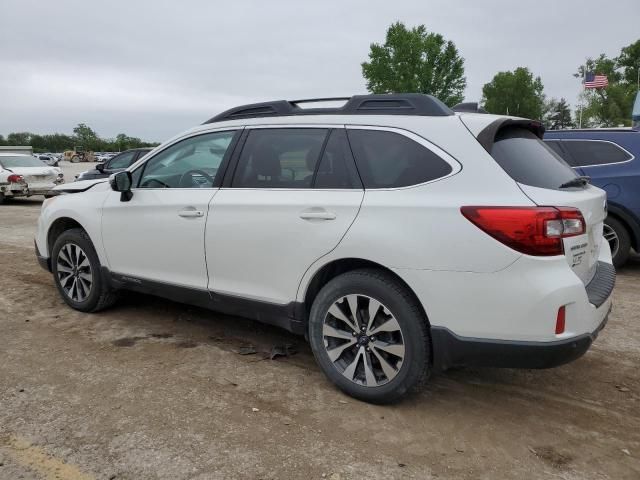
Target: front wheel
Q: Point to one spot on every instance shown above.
(76, 272)
(369, 336)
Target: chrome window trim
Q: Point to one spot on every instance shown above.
(631, 155)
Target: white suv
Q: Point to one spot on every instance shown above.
(398, 236)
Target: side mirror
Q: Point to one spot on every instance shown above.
(100, 167)
(121, 182)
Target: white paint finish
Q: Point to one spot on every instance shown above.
(582, 251)
(259, 247)
(80, 185)
(518, 303)
(147, 237)
(85, 208)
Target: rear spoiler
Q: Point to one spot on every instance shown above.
(487, 136)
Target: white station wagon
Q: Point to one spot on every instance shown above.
(400, 237)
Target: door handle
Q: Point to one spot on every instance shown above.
(189, 213)
(317, 215)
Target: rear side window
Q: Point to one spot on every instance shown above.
(529, 160)
(556, 146)
(389, 160)
(279, 158)
(587, 153)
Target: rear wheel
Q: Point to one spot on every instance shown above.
(76, 271)
(619, 240)
(75, 159)
(369, 336)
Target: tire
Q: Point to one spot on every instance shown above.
(619, 240)
(1, 198)
(77, 249)
(343, 355)
(75, 159)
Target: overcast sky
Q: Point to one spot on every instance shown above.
(152, 68)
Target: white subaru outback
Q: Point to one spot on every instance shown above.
(398, 236)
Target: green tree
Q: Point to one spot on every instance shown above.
(557, 114)
(611, 106)
(86, 137)
(2, 140)
(19, 138)
(415, 61)
(516, 93)
(629, 62)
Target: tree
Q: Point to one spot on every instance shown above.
(86, 137)
(514, 93)
(629, 62)
(19, 138)
(557, 114)
(611, 106)
(415, 61)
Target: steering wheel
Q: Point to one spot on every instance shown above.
(147, 183)
(190, 174)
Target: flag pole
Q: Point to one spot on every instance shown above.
(584, 70)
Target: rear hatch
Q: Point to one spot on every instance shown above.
(548, 181)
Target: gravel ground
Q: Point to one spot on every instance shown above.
(155, 389)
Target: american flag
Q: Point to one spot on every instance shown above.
(593, 80)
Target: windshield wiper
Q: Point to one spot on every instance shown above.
(582, 181)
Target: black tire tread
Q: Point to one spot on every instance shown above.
(624, 239)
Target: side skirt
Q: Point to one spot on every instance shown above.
(291, 316)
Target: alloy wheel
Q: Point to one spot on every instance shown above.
(611, 236)
(74, 272)
(363, 340)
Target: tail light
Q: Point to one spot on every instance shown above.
(15, 178)
(532, 230)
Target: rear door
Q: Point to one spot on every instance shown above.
(545, 178)
(293, 196)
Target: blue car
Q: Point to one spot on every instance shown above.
(610, 156)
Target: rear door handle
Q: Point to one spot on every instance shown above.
(317, 215)
(191, 213)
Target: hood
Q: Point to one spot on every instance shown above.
(79, 186)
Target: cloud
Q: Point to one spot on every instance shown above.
(154, 68)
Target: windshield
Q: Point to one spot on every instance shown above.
(20, 161)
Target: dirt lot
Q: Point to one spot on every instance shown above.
(154, 389)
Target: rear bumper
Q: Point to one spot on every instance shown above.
(451, 350)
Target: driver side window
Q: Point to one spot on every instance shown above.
(191, 163)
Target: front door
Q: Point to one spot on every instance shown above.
(159, 234)
(293, 196)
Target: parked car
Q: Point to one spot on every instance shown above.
(115, 164)
(610, 157)
(399, 237)
(47, 159)
(23, 176)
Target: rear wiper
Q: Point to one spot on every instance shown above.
(582, 181)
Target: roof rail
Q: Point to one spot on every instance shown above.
(385, 104)
(468, 107)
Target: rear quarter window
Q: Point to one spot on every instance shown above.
(528, 160)
(586, 153)
(390, 160)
